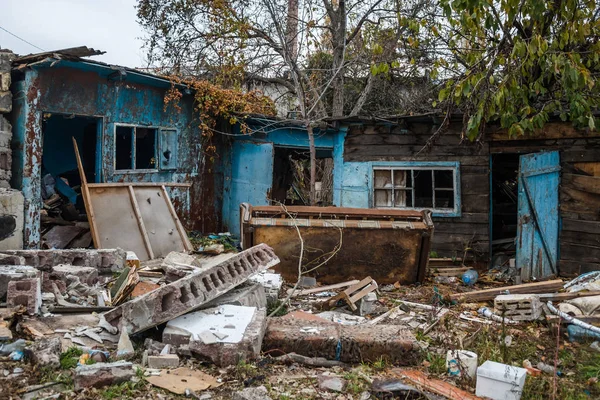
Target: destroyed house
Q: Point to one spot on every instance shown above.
(123, 130)
(534, 198)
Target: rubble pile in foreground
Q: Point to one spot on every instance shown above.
(100, 324)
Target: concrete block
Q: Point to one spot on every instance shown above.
(192, 291)
(9, 273)
(11, 219)
(102, 374)
(176, 265)
(25, 292)
(271, 282)
(347, 343)
(248, 294)
(49, 278)
(105, 261)
(87, 275)
(4, 81)
(5, 101)
(162, 362)
(518, 307)
(237, 335)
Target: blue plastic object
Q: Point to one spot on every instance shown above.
(470, 277)
(579, 334)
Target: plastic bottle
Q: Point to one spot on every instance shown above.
(579, 334)
(15, 346)
(549, 369)
(470, 277)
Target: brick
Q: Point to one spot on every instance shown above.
(105, 261)
(87, 275)
(518, 307)
(25, 292)
(164, 361)
(102, 374)
(347, 343)
(227, 350)
(9, 273)
(192, 291)
(5, 101)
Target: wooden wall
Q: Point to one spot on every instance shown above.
(452, 235)
(579, 196)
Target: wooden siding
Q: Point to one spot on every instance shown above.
(392, 143)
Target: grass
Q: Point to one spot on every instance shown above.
(69, 358)
(272, 306)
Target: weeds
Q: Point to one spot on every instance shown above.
(69, 358)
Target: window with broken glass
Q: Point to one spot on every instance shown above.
(415, 188)
(135, 148)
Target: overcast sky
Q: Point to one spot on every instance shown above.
(108, 25)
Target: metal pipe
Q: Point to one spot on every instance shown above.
(572, 320)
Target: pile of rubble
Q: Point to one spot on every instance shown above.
(193, 323)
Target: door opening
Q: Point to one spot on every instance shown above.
(505, 190)
(63, 218)
(291, 177)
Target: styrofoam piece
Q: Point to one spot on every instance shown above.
(459, 361)
(230, 321)
(500, 381)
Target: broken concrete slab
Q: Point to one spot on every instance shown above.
(252, 393)
(10, 273)
(46, 352)
(176, 265)
(86, 275)
(271, 282)
(163, 361)
(225, 335)
(342, 342)
(25, 292)
(248, 294)
(102, 374)
(105, 261)
(192, 291)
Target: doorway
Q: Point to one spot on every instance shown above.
(291, 177)
(505, 206)
(63, 217)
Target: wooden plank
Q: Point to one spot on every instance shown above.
(592, 168)
(566, 296)
(551, 130)
(580, 238)
(140, 222)
(465, 218)
(589, 184)
(182, 233)
(581, 253)
(473, 160)
(526, 288)
(574, 268)
(581, 226)
(144, 184)
(85, 192)
(437, 386)
(325, 288)
(462, 228)
(570, 194)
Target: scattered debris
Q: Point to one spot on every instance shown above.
(354, 293)
(102, 374)
(500, 381)
(331, 383)
(180, 379)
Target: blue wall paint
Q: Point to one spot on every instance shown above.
(83, 89)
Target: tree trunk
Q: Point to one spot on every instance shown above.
(313, 163)
(291, 29)
(339, 45)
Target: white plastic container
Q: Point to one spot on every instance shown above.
(500, 381)
(459, 361)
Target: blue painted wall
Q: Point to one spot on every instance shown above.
(85, 89)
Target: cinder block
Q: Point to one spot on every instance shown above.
(192, 291)
(102, 374)
(11, 219)
(347, 343)
(518, 307)
(164, 361)
(9, 273)
(25, 292)
(105, 261)
(5, 101)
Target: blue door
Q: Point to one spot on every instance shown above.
(538, 221)
(251, 179)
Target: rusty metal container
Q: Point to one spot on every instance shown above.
(342, 244)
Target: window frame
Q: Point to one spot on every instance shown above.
(157, 148)
(421, 166)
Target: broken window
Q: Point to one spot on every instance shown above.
(135, 148)
(419, 188)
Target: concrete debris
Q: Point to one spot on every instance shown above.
(163, 361)
(9, 273)
(253, 393)
(124, 347)
(248, 294)
(25, 292)
(342, 318)
(271, 282)
(86, 275)
(331, 383)
(191, 292)
(105, 261)
(46, 352)
(102, 374)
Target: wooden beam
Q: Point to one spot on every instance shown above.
(85, 192)
(551, 130)
(325, 288)
(140, 222)
(566, 296)
(136, 184)
(526, 288)
(182, 233)
(589, 184)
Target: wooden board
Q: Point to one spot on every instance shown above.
(527, 288)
